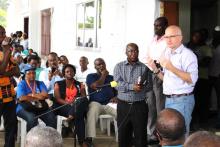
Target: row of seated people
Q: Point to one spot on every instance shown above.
(63, 89)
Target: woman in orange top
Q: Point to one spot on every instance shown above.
(66, 92)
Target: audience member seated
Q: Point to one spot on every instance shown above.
(66, 92)
(170, 128)
(63, 61)
(31, 95)
(202, 139)
(51, 74)
(33, 60)
(19, 60)
(41, 136)
(83, 71)
(99, 99)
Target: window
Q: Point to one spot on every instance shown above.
(88, 23)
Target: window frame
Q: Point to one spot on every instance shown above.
(96, 24)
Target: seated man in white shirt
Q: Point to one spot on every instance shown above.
(83, 71)
(51, 74)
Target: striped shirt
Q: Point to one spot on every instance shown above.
(127, 75)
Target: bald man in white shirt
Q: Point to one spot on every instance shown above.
(179, 75)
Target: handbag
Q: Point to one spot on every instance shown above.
(35, 106)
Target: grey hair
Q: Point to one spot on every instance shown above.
(202, 139)
(43, 136)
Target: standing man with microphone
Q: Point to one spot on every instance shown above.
(98, 101)
(179, 75)
(7, 93)
(132, 110)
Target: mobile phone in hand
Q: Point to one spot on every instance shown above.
(53, 69)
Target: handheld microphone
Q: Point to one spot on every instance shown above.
(111, 84)
(139, 81)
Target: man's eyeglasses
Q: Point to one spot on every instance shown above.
(171, 36)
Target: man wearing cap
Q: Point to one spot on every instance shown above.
(7, 93)
(32, 91)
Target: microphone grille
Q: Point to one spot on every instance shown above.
(113, 84)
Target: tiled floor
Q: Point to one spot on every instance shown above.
(102, 140)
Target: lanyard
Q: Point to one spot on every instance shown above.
(31, 88)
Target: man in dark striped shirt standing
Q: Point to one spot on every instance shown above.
(134, 80)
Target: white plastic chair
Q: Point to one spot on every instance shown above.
(2, 124)
(116, 130)
(22, 131)
(59, 123)
(105, 121)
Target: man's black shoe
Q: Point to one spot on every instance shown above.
(89, 142)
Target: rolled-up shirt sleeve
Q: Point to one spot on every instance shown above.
(191, 66)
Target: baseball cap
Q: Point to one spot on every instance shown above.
(28, 68)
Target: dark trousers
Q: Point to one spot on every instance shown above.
(79, 113)
(49, 119)
(10, 122)
(156, 103)
(215, 83)
(132, 120)
(202, 100)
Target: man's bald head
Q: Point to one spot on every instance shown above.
(173, 36)
(171, 124)
(202, 139)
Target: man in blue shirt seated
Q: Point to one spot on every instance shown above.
(170, 128)
(98, 100)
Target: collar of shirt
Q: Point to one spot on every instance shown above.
(177, 50)
(136, 63)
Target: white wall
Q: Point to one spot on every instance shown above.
(123, 21)
(14, 17)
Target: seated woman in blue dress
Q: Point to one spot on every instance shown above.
(31, 95)
(71, 93)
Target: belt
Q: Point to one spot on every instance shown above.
(178, 95)
(130, 103)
